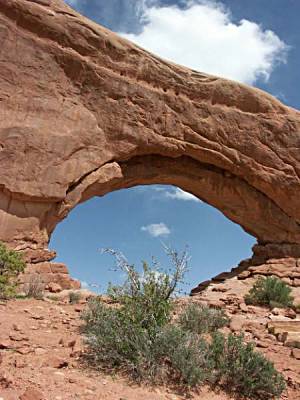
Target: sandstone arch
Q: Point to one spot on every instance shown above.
(84, 112)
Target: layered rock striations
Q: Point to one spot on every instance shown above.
(84, 112)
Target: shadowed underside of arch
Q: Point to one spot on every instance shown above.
(84, 112)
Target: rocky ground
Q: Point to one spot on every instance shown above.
(40, 349)
(276, 333)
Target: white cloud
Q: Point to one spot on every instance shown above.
(84, 285)
(203, 36)
(156, 230)
(179, 194)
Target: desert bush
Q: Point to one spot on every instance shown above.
(115, 342)
(126, 336)
(185, 355)
(146, 297)
(35, 287)
(202, 319)
(74, 297)
(270, 291)
(135, 334)
(242, 369)
(11, 265)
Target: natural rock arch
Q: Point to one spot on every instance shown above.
(84, 112)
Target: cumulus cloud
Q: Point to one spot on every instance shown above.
(204, 36)
(200, 34)
(118, 15)
(156, 230)
(179, 194)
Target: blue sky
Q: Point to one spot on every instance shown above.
(253, 41)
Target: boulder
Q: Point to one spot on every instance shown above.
(54, 287)
(292, 339)
(237, 323)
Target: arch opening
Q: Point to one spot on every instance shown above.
(135, 221)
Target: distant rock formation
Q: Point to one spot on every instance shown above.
(85, 112)
(268, 260)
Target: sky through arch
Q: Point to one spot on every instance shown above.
(136, 222)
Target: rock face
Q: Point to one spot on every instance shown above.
(268, 263)
(84, 112)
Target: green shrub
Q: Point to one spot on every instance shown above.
(136, 335)
(74, 297)
(113, 341)
(239, 367)
(202, 319)
(185, 355)
(116, 343)
(125, 336)
(268, 291)
(11, 265)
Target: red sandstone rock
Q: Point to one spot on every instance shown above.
(76, 348)
(292, 339)
(20, 363)
(51, 274)
(32, 394)
(55, 362)
(286, 269)
(237, 322)
(5, 380)
(296, 353)
(58, 268)
(24, 349)
(54, 287)
(243, 307)
(5, 344)
(104, 125)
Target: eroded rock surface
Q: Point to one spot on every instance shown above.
(84, 112)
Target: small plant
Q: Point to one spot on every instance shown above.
(74, 297)
(34, 288)
(202, 319)
(242, 369)
(11, 265)
(53, 297)
(269, 291)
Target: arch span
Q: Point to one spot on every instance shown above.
(85, 112)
